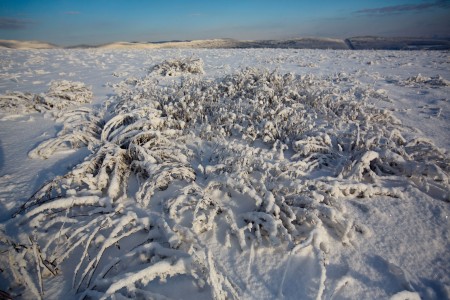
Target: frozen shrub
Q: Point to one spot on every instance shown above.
(81, 127)
(60, 95)
(63, 94)
(170, 164)
(424, 80)
(178, 67)
(17, 102)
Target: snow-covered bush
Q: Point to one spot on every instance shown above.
(425, 80)
(17, 102)
(267, 157)
(61, 95)
(81, 127)
(178, 67)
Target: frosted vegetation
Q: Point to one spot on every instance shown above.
(61, 95)
(255, 159)
(178, 67)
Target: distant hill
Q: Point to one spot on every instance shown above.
(402, 43)
(300, 43)
(354, 43)
(12, 44)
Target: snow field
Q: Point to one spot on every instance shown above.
(196, 166)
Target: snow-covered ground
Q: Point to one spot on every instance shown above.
(224, 174)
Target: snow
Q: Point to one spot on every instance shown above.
(224, 174)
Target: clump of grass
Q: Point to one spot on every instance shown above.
(289, 147)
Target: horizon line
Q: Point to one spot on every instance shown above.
(238, 43)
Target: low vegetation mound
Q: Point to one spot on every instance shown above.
(255, 158)
(178, 67)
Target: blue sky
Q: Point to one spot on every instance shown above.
(71, 22)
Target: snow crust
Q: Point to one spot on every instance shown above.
(224, 174)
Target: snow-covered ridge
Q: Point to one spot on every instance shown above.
(401, 43)
(355, 43)
(13, 44)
